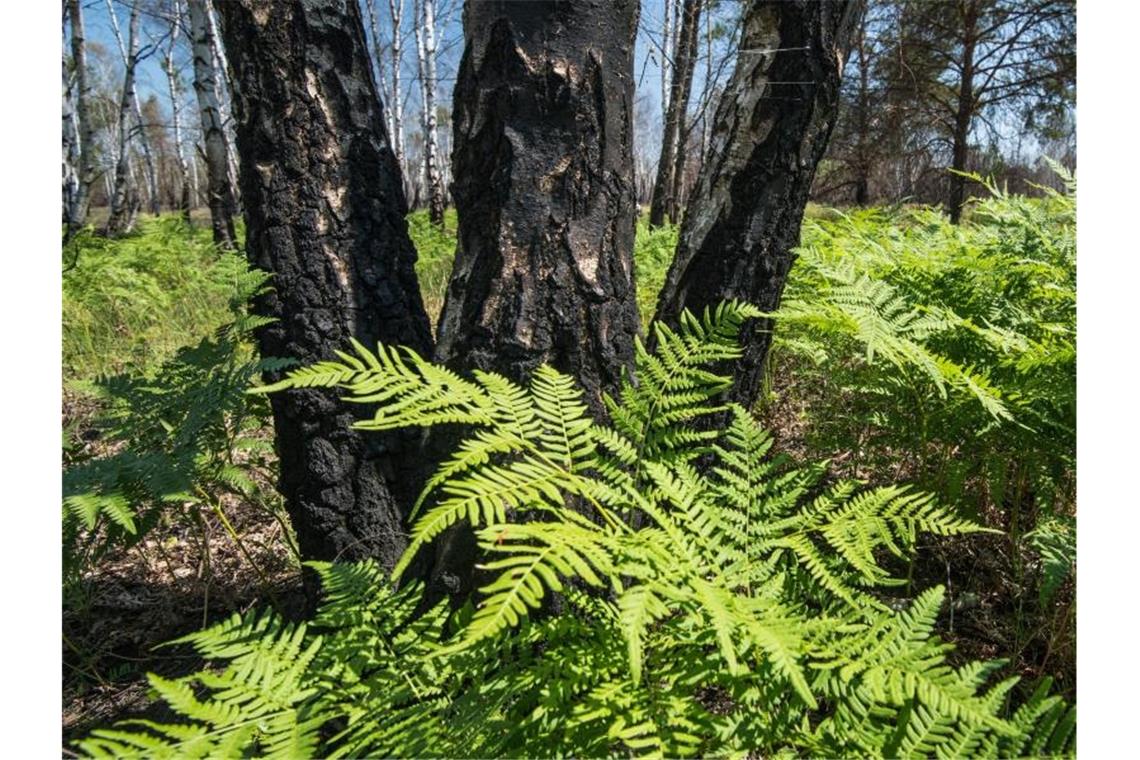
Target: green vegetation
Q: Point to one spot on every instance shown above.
(724, 610)
(712, 597)
(132, 302)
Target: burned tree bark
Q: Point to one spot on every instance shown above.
(219, 189)
(325, 211)
(770, 130)
(544, 190)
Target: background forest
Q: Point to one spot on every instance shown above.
(684, 377)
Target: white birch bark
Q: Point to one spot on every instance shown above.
(426, 42)
(213, 131)
(396, 9)
(121, 220)
(225, 106)
(188, 193)
(666, 53)
(144, 139)
(70, 144)
(88, 171)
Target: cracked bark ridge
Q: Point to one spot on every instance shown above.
(543, 170)
(325, 213)
(769, 132)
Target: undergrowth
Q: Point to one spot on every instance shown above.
(719, 601)
(129, 303)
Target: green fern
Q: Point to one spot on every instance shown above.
(728, 609)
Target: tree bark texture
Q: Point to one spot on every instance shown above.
(124, 197)
(219, 190)
(324, 209)
(664, 199)
(426, 48)
(544, 190)
(770, 130)
(88, 171)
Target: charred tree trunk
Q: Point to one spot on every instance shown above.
(662, 204)
(965, 112)
(213, 135)
(544, 190)
(770, 131)
(123, 197)
(324, 212)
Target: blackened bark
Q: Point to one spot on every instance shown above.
(664, 201)
(324, 210)
(770, 130)
(965, 111)
(544, 191)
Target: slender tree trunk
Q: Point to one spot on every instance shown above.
(222, 93)
(213, 133)
(770, 130)
(324, 209)
(88, 171)
(378, 59)
(666, 62)
(176, 114)
(144, 139)
(70, 146)
(662, 204)
(123, 197)
(426, 44)
(396, 11)
(965, 113)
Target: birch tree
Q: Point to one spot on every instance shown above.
(139, 129)
(124, 196)
(770, 130)
(396, 13)
(222, 94)
(426, 43)
(189, 191)
(684, 63)
(87, 168)
(70, 143)
(325, 209)
(213, 135)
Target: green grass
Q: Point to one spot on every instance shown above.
(130, 303)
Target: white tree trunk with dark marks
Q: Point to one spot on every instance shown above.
(426, 43)
(213, 132)
(88, 171)
(188, 192)
(140, 128)
(124, 196)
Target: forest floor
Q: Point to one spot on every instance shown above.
(186, 573)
